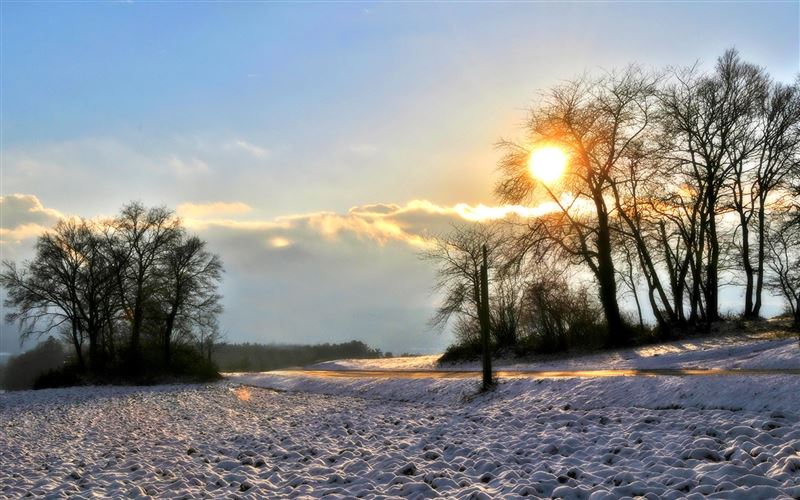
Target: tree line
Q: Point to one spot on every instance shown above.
(249, 357)
(39, 366)
(678, 182)
(133, 295)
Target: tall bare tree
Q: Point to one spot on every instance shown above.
(784, 263)
(600, 123)
(777, 167)
(708, 119)
(45, 294)
(140, 238)
(189, 276)
(458, 256)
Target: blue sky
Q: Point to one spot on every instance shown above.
(292, 110)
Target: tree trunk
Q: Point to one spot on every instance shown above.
(78, 347)
(168, 334)
(762, 234)
(797, 314)
(94, 350)
(484, 321)
(136, 331)
(618, 333)
(748, 267)
(712, 269)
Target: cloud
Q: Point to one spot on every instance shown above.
(24, 217)
(412, 224)
(200, 210)
(189, 167)
(279, 242)
(249, 148)
(318, 276)
(21, 232)
(375, 209)
(19, 209)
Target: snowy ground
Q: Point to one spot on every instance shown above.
(669, 437)
(284, 436)
(707, 352)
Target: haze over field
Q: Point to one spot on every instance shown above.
(313, 147)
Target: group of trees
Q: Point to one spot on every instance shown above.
(124, 292)
(677, 183)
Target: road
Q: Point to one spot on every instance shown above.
(658, 372)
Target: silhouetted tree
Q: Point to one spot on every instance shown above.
(784, 246)
(598, 122)
(458, 256)
(777, 166)
(709, 119)
(189, 276)
(114, 282)
(140, 238)
(44, 295)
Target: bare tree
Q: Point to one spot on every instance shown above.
(140, 238)
(458, 257)
(189, 277)
(784, 247)
(109, 282)
(44, 294)
(778, 166)
(599, 122)
(708, 119)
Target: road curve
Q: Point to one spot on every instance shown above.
(627, 372)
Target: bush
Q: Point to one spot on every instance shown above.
(22, 370)
(64, 376)
(260, 357)
(187, 366)
(461, 352)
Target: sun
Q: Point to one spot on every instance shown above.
(547, 163)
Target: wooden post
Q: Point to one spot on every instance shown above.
(484, 319)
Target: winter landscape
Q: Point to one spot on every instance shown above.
(472, 250)
(288, 436)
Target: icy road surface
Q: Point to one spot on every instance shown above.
(669, 437)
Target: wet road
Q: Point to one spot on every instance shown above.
(628, 372)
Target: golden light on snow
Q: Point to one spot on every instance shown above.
(242, 393)
(547, 163)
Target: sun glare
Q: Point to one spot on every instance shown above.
(547, 163)
(242, 394)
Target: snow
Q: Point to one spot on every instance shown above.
(288, 435)
(709, 352)
(668, 437)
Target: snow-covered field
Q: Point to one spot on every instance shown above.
(704, 352)
(669, 437)
(283, 436)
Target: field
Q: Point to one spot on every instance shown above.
(298, 436)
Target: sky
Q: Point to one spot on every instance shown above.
(313, 144)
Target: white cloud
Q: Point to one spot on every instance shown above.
(20, 209)
(314, 277)
(411, 224)
(21, 232)
(249, 148)
(189, 167)
(22, 216)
